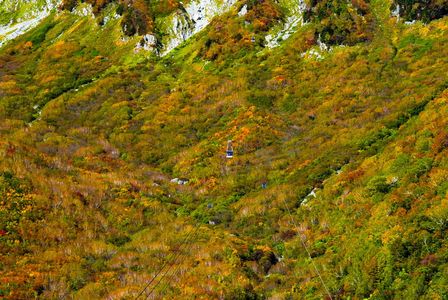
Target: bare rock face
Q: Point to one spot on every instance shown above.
(19, 16)
(192, 18)
(294, 19)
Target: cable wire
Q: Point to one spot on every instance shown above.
(170, 278)
(172, 264)
(163, 267)
(176, 270)
(307, 251)
(167, 284)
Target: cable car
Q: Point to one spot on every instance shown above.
(229, 151)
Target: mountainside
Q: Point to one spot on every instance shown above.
(115, 116)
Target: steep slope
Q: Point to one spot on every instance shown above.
(350, 140)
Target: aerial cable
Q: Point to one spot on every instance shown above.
(162, 268)
(302, 240)
(178, 254)
(307, 251)
(173, 262)
(175, 271)
(167, 284)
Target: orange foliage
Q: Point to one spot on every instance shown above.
(354, 175)
(263, 15)
(440, 141)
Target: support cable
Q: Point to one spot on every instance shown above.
(176, 256)
(307, 251)
(166, 263)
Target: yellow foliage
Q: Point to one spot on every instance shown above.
(392, 234)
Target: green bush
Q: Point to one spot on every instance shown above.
(378, 184)
(260, 99)
(442, 189)
(40, 33)
(420, 167)
(119, 240)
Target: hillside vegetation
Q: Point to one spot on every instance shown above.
(346, 123)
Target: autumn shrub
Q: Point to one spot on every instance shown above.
(242, 293)
(421, 10)
(16, 206)
(341, 22)
(135, 21)
(165, 7)
(68, 4)
(262, 14)
(440, 142)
